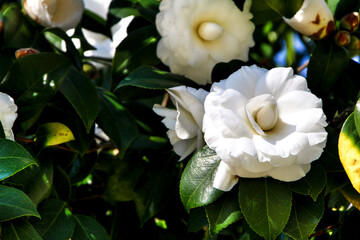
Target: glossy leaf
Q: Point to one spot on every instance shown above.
(357, 116)
(266, 205)
(13, 158)
(223, 212)
(313, 183)
(88, 228)
(14, 204)
(19, 229)
(351, 195)
(146, 82)
(349, 151)
(56, 221)
(196, 185)
(116, 121)
(263, 13)
(81, 93)
(44, 74)
(53, 133)
(305, 215)
(137, 49)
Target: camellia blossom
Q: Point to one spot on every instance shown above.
(314, 19)
(198, 34)
(8, 114)
(263, 123)
(64, 14)
(184, 123)
(105, 47)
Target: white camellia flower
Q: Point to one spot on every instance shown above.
(184, 123)
(8, 114)
(198, 34)
(105, 47)
(314, 19)
(263, 123)
(64, 14)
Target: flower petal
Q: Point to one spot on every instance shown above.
(289, 173)
(224, 178)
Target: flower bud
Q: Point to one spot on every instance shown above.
(64, 14)
(354, 44)
(22, 52)
(350, 21)
(342, 38)
(314, 19)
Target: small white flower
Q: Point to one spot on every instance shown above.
(314, 19)
(64, 14)
(198, 34)
(184, 123)
(8, 114)
(263, 123)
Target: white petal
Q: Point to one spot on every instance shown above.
(185, 126)
(289, 173)
(224, 178)
(273, 81)
(296, 101)
(184, 148)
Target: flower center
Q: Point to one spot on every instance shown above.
(262, 112)
(210, 31)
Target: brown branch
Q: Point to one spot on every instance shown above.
(321, 232)
(302, 67)
(165, 100)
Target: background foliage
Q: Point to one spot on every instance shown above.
(61, 180)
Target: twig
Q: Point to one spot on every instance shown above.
(165, 100)
(341, 117)
(302, 67)
(321, 232)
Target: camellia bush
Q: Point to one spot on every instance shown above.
(179, 119)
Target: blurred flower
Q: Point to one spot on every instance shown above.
(105, 46)
(22, 52)
(314, 19)
(8, 114)
(198, 34)
(263, 123)
(342, 38)
(184, 123)
(65, 14)
(350, 21)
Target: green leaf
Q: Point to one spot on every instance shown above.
(305, 215)
(313, 183)
(14, 204)
(13, 158)
(19, 229)
(81, 93)
(137, 49)
(71, 50)
(116, 121)
(346, 6)
(88, 228)
(266, 205)
(56, 221)
(223, 212)
(197, 220)
(286, 8)
(148, 82)
(62, 184)
(17, 30)
(44, 74)
(349, 151)
(53, 133)
(196, 185)
(327, 63)
(41, 185)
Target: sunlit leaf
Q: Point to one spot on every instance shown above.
(88, 228)
(53, 133)
(349, 152)
(196, 185)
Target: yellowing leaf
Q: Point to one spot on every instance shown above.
(54, 133)
(349, 151)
